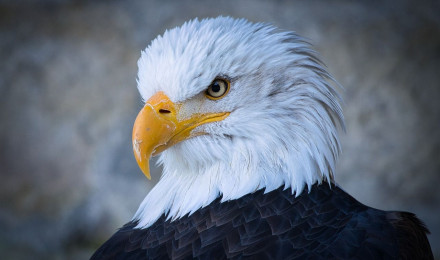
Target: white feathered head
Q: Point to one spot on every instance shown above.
(232, 107)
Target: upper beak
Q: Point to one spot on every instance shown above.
(157, 128)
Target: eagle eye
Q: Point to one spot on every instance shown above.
(218, 89)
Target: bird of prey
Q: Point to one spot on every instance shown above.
(244, 118)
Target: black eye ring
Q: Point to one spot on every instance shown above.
(218, 89)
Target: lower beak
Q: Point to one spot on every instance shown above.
(157, 128)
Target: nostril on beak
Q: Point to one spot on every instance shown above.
(164, 111)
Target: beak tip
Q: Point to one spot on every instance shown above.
(145, 168)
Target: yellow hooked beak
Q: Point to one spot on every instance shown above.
(157, 128)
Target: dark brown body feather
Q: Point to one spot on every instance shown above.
(326, 223)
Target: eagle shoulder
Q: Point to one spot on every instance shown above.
(326, 223)
(411, 233)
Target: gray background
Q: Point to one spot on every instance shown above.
(68, 100)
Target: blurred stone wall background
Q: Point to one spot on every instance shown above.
(68, 100)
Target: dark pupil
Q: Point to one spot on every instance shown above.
(215, 87)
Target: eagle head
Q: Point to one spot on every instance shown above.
(232, 107)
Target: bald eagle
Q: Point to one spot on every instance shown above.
(244, 118)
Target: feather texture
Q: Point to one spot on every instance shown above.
(326, 223)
